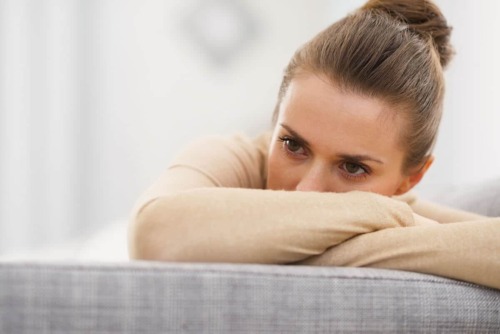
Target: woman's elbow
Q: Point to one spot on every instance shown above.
(150, 235)
(140, 243)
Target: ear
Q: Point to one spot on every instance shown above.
(414, 177)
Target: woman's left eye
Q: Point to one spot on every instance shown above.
(353, 168)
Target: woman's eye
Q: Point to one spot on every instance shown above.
(354, 168)
(292, 146)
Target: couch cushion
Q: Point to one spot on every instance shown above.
(142, 297)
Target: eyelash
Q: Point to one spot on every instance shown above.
(347, 175)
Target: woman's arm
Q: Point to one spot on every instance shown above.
(467, 251)
(257, 226)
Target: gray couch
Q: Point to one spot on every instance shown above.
(147, 297)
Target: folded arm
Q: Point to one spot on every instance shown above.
(257, 226)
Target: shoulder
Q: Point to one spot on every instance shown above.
(236, 160)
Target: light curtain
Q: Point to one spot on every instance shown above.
(40, 122)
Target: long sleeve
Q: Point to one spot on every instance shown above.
(468, 251)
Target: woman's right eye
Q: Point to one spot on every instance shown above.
(292, 146)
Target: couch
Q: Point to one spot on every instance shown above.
(150, 297)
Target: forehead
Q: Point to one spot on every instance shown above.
(328, 116)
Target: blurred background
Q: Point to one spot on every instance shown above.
(96, 96)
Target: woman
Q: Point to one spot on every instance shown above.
(355, 123)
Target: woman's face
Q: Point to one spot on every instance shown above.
(327, 140)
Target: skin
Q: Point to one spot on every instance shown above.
(328, 140)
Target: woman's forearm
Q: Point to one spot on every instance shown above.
(257, 226)
(468, 251)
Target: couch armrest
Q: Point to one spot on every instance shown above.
(147, 297)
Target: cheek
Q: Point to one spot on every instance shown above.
(387, 186)
(273, 174)
(277, 176)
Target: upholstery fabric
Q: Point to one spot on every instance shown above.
(145, 297)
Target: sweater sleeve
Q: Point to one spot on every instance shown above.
(210, 206)
(259, 226)
(467, 251)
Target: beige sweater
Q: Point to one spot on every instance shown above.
(210, 206)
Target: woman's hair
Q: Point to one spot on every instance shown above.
(394, 50)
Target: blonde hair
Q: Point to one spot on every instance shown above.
(392, 50)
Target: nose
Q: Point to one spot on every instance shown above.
(314, 179)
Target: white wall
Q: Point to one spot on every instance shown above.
(468, 149)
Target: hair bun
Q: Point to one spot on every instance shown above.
(422, 16)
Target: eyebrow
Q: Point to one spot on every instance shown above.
(359, 157)
(348, 157)
(296, 136)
